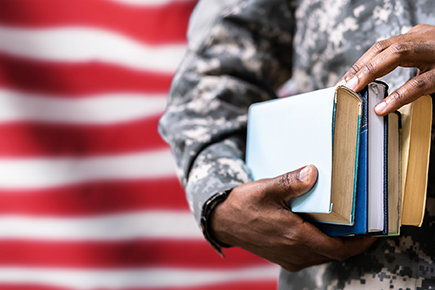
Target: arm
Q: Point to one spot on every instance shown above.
(415, 48)
(244, 58)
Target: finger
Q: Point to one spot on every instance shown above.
(378, 66)
(297, 267)
(333, 247)
(353, 246)
(379, 47)
(343, 248)
(294, 183)
(416, 87)
(405, 54)
(373, 51)
(395, 44)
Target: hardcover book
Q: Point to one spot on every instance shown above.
(416, 143)
(372, 170)
(320, 128)
(378, 192)
(394, 173)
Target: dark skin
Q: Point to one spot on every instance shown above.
(415, 48)
(256, 216)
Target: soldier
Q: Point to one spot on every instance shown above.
(241, 52)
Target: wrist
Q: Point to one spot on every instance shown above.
(206, 216)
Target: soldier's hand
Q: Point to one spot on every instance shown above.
(257, 218)
(415, 48)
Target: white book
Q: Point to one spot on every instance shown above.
(376, 161)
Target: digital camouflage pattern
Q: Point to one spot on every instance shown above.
(243, 51)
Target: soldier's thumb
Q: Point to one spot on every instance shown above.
(293, 184)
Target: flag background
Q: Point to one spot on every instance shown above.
(88, 193)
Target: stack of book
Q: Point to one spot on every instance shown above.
(372, 170)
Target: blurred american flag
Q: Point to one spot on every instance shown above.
(88, 193)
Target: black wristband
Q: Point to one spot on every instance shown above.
(207, 208)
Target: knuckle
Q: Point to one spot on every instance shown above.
(421, 27)
(397, 97)
(369, 69)
(431, 80)
(354, 70)
(285, 182)
(259, 192)
(340, 256)
(380, 45)
(418, 83)
(399, 48)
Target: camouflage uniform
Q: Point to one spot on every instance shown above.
(241, 52)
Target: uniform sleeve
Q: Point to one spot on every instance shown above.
(236, 56)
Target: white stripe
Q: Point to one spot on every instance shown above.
(77, 44)
(149, 2)
(95, 109)
(132, 279)
(148, 224)
(25, 173)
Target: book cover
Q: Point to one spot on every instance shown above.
(289, 133)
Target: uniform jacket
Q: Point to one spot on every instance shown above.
(243, 51)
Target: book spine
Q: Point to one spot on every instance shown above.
(377, 92)
(385, 232)
(360, 214)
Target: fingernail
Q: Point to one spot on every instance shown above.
(341, 83)
(304, 174)
(380, 108)
(352, 83)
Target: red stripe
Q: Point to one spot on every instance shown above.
(29, 286)
(77, 78)
(151, 24)
(96, 198)
(120, 255)
(243, 285)
(29, 139)
(251, 285)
